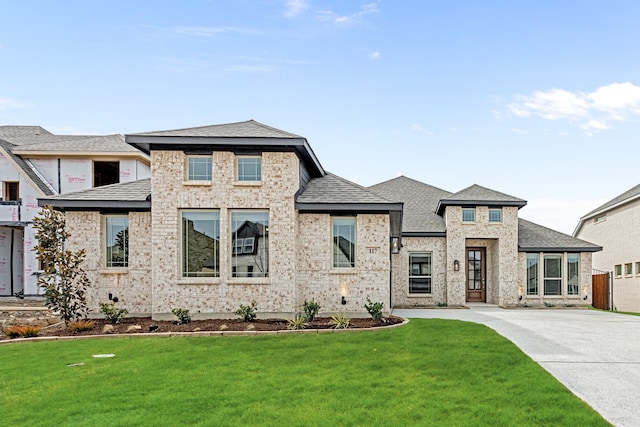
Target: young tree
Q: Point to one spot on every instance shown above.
(63, 279)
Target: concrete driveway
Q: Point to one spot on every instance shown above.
(594, 354)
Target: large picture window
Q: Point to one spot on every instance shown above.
(250, 244)
(249, 168)
(532, 274)
(573, 274)
(117, 241)
(419, 273)
(344, 242)
(200, 244)
(553, 274)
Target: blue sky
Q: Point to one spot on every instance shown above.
(538, 99)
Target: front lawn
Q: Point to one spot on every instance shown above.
(429, 372)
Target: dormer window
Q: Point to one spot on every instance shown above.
(495, 215)
(468, 214)
(199, 168)
(249, 168)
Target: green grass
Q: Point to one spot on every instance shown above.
(430, 372)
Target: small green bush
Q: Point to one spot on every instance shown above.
(111, 313)
(247, 313)
(27, 331)
(182, 314)
(374, 309)
(311, 309)
(340, 321)
(298, 322)
(81, 325)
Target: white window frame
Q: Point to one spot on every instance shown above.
(499, 210)
(530, 255)
(473, 211)
(545, 278)
(107, 263)
(190, 274)
(334, 261)
(188, 175)
(420, 276)
(576, 285)
(261, 259)
(617, 270)
(628, 269)
(240, 177)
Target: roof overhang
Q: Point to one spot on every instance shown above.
(601, 211)
(424, 234)
(96, 204)
(14, 224)
(442, 204)
(559, 249)
(148, 143)
(83, 154)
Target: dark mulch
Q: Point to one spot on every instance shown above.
(146, 323)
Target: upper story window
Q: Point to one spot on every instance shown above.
(600, 218)
(199, 168)
(200, 243)
(344, 242)
(117, 241)
(105, 173)
(249, 168)
(468, 214)
(618, 270)
(628, 269)
(10, 191)
(495, 215)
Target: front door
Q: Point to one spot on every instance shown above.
(476, 291)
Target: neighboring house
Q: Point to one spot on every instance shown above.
(34, 163)
(616, 227)
(242, 211)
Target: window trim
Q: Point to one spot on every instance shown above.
(628, 269)
(105, 257)
(637, 268)
(238, 248)
(424, 276)
(545, 277)
(237, 171)
(187, 168)
(467, 221)
(193, 275)
(577, 284)
(355, 243)
(617, 270)
(499, 210)
(537, 273)
(6, 190)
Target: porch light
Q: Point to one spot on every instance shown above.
(456, 265)
(519, 293)
(584, 292)
(344, 300)
(343, 293)
(395, 245)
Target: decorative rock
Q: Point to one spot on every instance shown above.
(134, 328)
(250, 327)
(223, 327)
(108, 329)
(196, 329)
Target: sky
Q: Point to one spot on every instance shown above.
(537, 99)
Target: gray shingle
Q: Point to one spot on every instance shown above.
(33, 176)
(629, 194)
(477, 194)
(536, 238)
(72, 143)
(420, 201)
(139, 190)
(333, 189)
(9, 131)
(247, 129)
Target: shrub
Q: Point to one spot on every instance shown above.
(182, 314)
(297, 322)
(111, 313)
(63, 279)
(339, 321)
(81, 325)
(311, 309)
(22, 331)
(374, 309)
(247, 312)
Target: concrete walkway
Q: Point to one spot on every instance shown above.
(594, 354)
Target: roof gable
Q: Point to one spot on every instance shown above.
(27, 169)
(331, 189)
(479, 195)
(246, 129)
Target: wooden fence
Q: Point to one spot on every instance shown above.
(600, 285)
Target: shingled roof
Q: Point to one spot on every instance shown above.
(536, 238)
(126, 195)
(420, 201)
(9, 131)
(478, 195)
(35, 177)
(246, 129)
(71, 143)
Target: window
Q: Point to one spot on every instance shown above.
(105, 173)
(117, 241)
(533, 261)
(250, 243)
(419, 273)
(249, 168)
(344, 242)
(573, 274)
(200, 243)
(468, 214)
(553, 274)
(600, 218)
(199, 168)
(628, 269)
(10, 191)
(495, 215)
(637, 267)
(618, 269)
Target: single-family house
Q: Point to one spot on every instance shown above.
(35, 163)
(616, 227)
(239, 212)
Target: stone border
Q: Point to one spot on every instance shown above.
(201, 334)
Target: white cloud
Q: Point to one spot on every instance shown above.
(212, 31)
(374, 55)
(6, 103)
(593, 112)
(519, 131)
(294, 8)
(331, 16)
(419, 129)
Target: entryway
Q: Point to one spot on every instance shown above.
(476, 275)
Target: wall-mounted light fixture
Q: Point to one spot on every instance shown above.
(456, 265)
(519, 293)
(344, 300)
(112, 298)
(395, 245)
(584, 292)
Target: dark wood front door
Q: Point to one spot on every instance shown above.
(476, 290)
